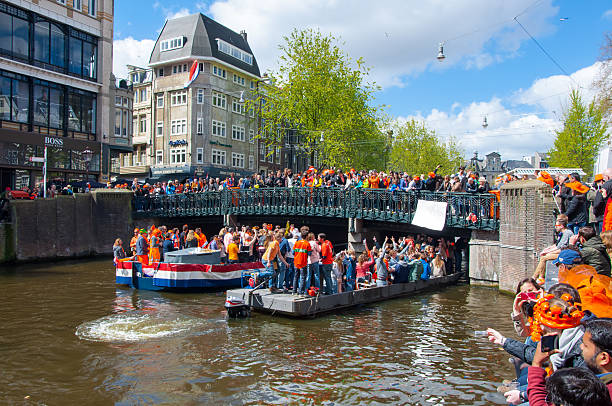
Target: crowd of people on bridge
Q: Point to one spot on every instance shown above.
(302, 262)
(462, 181)
(562, 315)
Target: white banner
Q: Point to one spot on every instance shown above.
(431, 215)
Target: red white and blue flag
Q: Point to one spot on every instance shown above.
(193, 73)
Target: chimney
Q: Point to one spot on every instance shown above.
(244, 35)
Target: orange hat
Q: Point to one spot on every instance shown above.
(432, 175)
(552, 316)
(578, 187)
(545, 177)
(417, 178)
(598, 177)
(595, 289)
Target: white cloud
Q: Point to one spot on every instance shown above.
(517, 126)
(397, 38)
(176, 14)
(607, 15)
(130, 51)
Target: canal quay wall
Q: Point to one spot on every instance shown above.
(526, 227)
(67, 226)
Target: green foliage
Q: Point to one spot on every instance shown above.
(418, 150)
(319, 90)
(584, 132)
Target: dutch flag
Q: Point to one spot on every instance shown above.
(193, 73)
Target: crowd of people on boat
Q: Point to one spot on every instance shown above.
(562, 315)
(302, 262)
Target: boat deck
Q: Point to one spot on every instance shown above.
(301, 306)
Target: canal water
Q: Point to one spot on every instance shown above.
(69, 336)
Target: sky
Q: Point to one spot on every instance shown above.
(493, 68)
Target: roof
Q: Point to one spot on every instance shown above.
(552, 171)
(201, 34)
(493, 153)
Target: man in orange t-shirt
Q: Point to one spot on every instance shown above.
(301, 251)
(232, 250)
(201, 237)
(270, 259)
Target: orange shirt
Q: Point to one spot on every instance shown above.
(301, 251)
(201, 239)
(232, 252)
(327, 252)
(374, 182)
(271, 251)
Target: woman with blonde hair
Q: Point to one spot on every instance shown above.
(438, 266)
(118, 251)
(191, 241)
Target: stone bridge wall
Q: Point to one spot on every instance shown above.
(526, 227)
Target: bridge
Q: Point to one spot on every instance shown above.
(465, 210)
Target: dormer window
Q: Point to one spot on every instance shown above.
(236, 52)
(172, 43)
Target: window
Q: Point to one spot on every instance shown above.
(124, 124)
(143, 95)
(252, 136)
(262, 152)
(237, 107)
(160, 129)
(270, 155)
(159, 157)
(126, 159)
(251, 162)
(76, 4)
(178, 127)
(178, 98)
(237, 160)
(218, 157)
(82, 55)
(62, 2)
(143, 157)
(218, 100)
(217, 71)
(125, 102)
(238, 79)
(160, 101)
(160, 72)
(252, 112)
(199, 155)
(200, 96)
(81, 111)
(136, 96)
(218, 128)
(118, 117)
(92, 7)
(143, 124)
(236, 52)
(178, 155)
(172, 43)
(238, 133)
(117, 100)
(278, 155)
(252, 84)
(200, 126)
(48, 103)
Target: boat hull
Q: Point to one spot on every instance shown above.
(181, 277)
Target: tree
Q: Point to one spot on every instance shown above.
(584, 131)
(322, 93)
(418, 150)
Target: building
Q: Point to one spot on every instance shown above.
(604, 159)
(55, 86)
(199, 128)
(137, 163)
(122, 94)
(538, 160)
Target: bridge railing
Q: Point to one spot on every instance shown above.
(465, 210)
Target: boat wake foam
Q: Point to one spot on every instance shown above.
(133, 326)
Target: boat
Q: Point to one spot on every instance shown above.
(239, 302)
(185, 270)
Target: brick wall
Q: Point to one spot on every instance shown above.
(526, 227)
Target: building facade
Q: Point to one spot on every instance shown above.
(55, 86)
(137, 163)
(201, 128)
